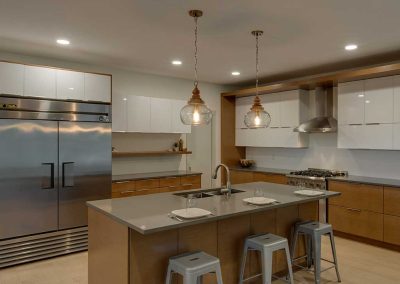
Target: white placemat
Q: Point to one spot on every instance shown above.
(307, 192)
(259, 200)
(191, 213)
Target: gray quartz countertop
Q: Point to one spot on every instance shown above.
(153, 175)
(262, 170)
(369, 180)
(149, 213)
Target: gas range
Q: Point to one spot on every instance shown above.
(313, 178)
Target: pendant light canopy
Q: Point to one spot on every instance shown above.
(195, 112)
(257, 117)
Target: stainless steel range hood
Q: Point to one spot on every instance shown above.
(324, 122)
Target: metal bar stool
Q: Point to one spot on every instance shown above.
(267, 244)
(313, 231)
(192, 266)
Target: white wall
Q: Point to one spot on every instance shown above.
(128, 82)
(323, 153)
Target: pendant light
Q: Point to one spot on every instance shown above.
(195, 112)
(257, 117)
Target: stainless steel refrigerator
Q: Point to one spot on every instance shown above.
(54, 156)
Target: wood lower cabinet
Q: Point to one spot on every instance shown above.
(156, 185)
(356, 222)
(392, 201)
(269, 177)
(392, 229)
(241, 177)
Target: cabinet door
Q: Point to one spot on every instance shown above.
(242, 107)
(160, 115)
(396, 136)
(391, 229)
(176, 123)
(70, 85)
(378, 136)
(290, 139)
(289, 109)
(11, 79)
(271, 103)
(138, 114)
(351, 103)
(119, 113)
(40, 82)
(97, 87)
(396, 82)
(351, 137)
(379, 100)
(248, 137)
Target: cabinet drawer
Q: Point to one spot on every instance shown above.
(168, 181)
(119, 186)
(274, 178)
(392, 201)
(147, 183)
(241, 177)
(356, 222)
(392, 229)
(357, 195)
(191, 180)
(127, 193)
(170, 188)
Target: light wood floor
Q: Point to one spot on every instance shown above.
(359, 264)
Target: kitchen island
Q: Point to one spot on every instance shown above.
(131, 239)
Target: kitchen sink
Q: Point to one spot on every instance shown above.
(206, 193)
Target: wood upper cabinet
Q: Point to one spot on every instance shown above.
(379, 100)
(392, 201)
(97, 87)
(70, 85)
(40, 82)
(351, 103)
(138, 114)
(357, 196)
(11, 78)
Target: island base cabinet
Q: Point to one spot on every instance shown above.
(356, 222)
(392, 229)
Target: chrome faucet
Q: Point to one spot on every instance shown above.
(227, 189)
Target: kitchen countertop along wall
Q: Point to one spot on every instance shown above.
(153, 175)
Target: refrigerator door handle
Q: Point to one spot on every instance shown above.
(68, 174)
(48, 181)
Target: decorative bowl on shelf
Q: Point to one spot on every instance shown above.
(244, 163)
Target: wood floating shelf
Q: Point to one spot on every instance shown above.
(149, 154)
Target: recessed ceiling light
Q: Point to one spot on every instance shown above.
(125, 99)
(351, 47)
(235, 73)
(63, 41)
(361, 95)
(176, 62)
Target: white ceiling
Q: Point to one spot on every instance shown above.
(145, 35)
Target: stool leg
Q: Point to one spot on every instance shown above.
(309, 250)
(334, 256)
(267, 266)
(289, 263)
(293, 243)
(219, 275)
(243, 265)
(316, 242)
(168, 278)
(200, 280)
(190, 278)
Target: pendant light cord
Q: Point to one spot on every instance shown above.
(195, 53)
(256, 64)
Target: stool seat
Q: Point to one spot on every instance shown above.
(265, 240)
(315, 227)
(192, 266)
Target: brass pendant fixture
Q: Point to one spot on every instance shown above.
(196, 111)
(257, 117)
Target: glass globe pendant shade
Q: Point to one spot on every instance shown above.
(196, 112)
(257, 117)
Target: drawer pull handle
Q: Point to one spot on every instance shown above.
(127, 191)
(187, 184)
(355, 124)
(354, 210)
(172, 186)
(375, 123)
(121, 182)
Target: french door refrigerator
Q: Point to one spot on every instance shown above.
(54, 156)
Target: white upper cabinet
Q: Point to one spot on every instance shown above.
(396, 83)
(351, 103)
(97, 87)
(379, 100)
(243, 106)
(119, 113)
(160, 115)
(177, 125)
(70, 85)
(138, 113)
(271, 104)
(11, 79)
(396, 136)
(40, 82)
(290, 109)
